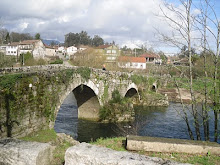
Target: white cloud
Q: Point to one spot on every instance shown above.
(119, 20)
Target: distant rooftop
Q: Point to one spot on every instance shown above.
(132, 59)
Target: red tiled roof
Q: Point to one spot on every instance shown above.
(149, 55)
(132, 59)
(28, 42)
(103, 46)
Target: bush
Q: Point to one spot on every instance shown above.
(59, 61)
(7, 61)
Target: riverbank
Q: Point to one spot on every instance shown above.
(119, 143)
(49, 136)
(176, 96)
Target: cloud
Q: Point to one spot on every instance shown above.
(118, 20)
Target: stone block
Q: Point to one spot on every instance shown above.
(155, 144)
(87, 154)
(13, 151)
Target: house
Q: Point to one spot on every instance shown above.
(36, 47)
(62, 49)
(49, 51)
(110, 51)
(3, 48)
(12, 49)
(132, 62)
(152, 58)
(82, 48)
(71, 50)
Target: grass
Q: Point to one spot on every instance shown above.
(113, 143)
(43, 136)
(117, 144)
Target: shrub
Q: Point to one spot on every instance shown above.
(58, 61)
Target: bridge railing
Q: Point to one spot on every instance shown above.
(28, 69)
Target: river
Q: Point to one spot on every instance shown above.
(149, 121)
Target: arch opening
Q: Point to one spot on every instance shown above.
(87, 102)
(132, 92)
(81, 102)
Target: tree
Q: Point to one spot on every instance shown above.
(7, 39)
(163, 57)
(53, 43)
(3, 33)
(210, 24)
(88, 58)
(96, 41)
(185, 52)
(17, 37)
(183, 27)
(37, 36)
(206, 22)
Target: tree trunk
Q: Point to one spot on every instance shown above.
(194, 108)
(216, 97)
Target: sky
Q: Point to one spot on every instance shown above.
(127, 22)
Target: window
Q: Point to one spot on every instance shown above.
(15, 52)
(114, 51)
(108, 51)
(8, 52)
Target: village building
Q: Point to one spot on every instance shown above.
(132, 62)
(71, 50)
(36, 47)
(12, 49)
(152, 58)
(82, 48)
(110, 51)
(62, 49)
(50, 52)
(3, 49)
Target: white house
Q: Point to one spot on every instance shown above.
(12, 49)
(36, 47)
(71, 50)
(62, 49)
(132, 62)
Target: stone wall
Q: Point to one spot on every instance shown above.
(30, 97)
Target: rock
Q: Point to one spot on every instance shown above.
(62, 137)
(170, 145)
(87, 154)
(13, 151)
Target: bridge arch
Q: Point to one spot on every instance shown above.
(85, 92)
(131, 90)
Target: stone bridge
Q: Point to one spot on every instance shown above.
(30, 97)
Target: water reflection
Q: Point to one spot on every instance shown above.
(149, 121)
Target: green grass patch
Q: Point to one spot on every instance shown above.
(113, 143)
(59, 153)
(43, 136)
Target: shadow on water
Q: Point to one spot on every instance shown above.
(150, 121)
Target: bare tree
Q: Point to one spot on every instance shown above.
(208, 13)
(183, 25)
(3, 32)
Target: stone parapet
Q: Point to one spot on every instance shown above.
(155, 144)
(88, 154)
